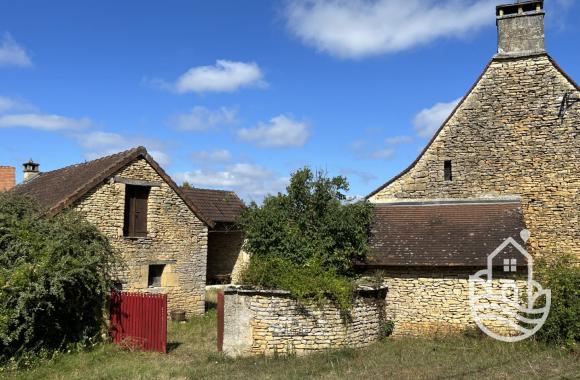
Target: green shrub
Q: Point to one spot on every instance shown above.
(387, 328)
(53, 279)
(306, 241)
(310, 283)
(562, 277)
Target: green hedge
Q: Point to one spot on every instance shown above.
(53, 279)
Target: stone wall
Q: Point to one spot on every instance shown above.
(269, 322)
(423, 301)
(509, 137)
(226, 256)
(176, 238)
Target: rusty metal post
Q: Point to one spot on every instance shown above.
(220, 321)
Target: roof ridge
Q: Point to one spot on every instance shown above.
(96, 159)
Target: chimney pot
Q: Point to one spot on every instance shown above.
(7, 177)
(30, 170)
(520, 28)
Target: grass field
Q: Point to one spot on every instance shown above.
(193, 355)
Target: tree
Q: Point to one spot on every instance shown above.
(311, 230)
(54, 278)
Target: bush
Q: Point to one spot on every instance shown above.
(306, 283)
(53, 279)
(307, 240)
(562, 277)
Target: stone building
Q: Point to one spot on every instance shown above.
(225, 257)
(507, 158)
(161, 233)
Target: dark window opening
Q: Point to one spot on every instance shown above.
(448, 175)
(155, 273)
(136, 198)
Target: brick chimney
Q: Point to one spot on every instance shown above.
(520, 28)
(30, 170)
(7, 177)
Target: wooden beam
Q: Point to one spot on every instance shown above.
(136, 182)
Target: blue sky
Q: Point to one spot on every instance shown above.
(238, 94)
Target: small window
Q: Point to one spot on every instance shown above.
(155, 273)
(136, 198)
(448, 175)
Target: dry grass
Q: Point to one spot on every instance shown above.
(193, 356)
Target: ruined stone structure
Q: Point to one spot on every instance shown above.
(271, 321)
(161, 235)
(513, 138)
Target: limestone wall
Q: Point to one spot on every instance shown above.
(176, 238)
(268, 322)
(226, 255)
(509, 137)
(423, 301)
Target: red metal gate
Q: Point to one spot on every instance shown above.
(139, 320)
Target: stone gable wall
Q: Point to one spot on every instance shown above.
(176, 238)
(268, 322)
(507, 139)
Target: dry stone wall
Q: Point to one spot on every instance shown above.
(270, 321)
(436, 301)
(511, 136)
(175, 237)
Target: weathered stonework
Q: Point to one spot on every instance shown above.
(226, 255)
(424, 301)
(511, 135)
(176, 238)
(269, 322)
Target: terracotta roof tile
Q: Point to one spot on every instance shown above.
(218, 205)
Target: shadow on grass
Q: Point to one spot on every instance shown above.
(171, 346)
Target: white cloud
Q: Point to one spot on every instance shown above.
(397, 140)
(212, 156)
(251, 182)
(361, 28)
(11, 105)
(428, 120)
(43, 122)
(365, 177)
(280, 131)
(201, 118)
(224, 76)
(364, 152)
(12, 54)
(382, 154)
(99, 144)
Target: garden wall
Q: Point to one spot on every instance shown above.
(271, 321)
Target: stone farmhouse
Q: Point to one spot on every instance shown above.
(161, 230)
(507, 158)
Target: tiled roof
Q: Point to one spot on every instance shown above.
(218, 205)
(442, 234)
(58, 189)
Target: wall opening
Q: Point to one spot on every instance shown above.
(155, 273)
(447, 172)
(136, 198)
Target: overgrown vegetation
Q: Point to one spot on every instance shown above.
(562, 277)
(192, 355)
(307, 240)
(53, 279)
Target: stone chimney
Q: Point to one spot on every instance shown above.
(30, 170)
(7, 177)
(520, 28)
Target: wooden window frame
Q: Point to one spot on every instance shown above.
(135, 215)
